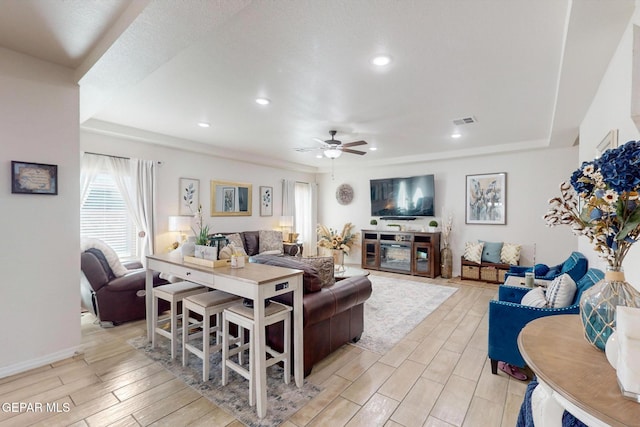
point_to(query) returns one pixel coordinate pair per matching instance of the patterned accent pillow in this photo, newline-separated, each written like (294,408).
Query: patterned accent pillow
(510,253)
(325,268)
(235,239)
(534,298)
(270,240)
(473,251)
(561,291)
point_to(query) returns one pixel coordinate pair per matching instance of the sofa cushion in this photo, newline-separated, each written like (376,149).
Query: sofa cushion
(534,298)
(561,291)
(269,241)
(325,268)
(473,251)
(510,253)
(311,278)
(235,239)
(251,245)
(491,251)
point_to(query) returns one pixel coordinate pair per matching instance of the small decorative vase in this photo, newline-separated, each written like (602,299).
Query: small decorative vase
(447,263)
(338,260)
(598,305)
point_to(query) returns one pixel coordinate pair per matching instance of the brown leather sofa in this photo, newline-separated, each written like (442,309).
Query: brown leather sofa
(333,315)
(114,300)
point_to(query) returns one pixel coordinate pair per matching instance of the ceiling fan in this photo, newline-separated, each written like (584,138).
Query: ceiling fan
(332,148)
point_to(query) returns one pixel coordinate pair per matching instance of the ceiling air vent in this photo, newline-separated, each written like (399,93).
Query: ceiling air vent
(464,121)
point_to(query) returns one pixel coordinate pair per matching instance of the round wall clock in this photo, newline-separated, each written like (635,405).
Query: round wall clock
(344,194)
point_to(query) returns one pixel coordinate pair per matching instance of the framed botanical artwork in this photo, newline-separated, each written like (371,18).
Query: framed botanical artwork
(266,201)
(34,178)
(609,141)
(229,199)
(486,199)
(189,196)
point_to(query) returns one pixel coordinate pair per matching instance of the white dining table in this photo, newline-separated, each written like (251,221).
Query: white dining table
(254,281)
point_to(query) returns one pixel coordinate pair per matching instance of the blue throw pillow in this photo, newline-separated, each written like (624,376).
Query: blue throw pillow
(491,252)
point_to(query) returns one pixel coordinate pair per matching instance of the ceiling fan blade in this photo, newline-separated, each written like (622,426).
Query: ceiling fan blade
(354,144)
(347,150)
(307,149)
(319,141)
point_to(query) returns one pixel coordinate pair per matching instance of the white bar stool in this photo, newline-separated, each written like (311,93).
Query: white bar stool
(243,317)
(173,293)
(207,304)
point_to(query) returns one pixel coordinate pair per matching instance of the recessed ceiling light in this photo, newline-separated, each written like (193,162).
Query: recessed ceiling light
(373,148)
(204,124)
(381,60)
(263,101)
(456,135)
(318,156)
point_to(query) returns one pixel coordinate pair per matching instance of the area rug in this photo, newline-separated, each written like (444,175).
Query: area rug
(283,400)
(395,307)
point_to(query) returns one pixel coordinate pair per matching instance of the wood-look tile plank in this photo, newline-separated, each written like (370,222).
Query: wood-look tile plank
(29,417)
(402,380)
(400,352)
(483,413)
(441,366)
(338,413)
(358,365)
(426,350)
(80,412)
(434,422)
(333,387)
(136,403)
(144,384)
(470,364)
(189,413)
(375,412)
(337,360)
(126,422)
(161,408)
(216,417)
(416,406)
(453,402)
(491,387)
(368,383)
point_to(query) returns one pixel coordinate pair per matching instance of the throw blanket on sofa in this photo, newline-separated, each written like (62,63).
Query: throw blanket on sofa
(112,258)
(525,417)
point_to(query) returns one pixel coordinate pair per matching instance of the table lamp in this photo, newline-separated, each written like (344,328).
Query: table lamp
(286,222)
(180,224)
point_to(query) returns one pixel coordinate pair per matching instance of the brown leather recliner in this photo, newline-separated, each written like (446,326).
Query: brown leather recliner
(332,315)
(114,300)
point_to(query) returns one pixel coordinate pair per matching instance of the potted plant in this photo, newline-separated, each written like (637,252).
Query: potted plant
(203,250)
(433,226)
(374,222)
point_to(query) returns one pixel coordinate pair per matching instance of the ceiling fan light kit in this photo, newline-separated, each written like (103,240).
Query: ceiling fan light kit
(332,153)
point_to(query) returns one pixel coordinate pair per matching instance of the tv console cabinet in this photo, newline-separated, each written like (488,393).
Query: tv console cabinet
(407,252)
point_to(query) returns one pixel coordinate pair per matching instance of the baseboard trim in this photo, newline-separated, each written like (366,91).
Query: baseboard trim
(40,361)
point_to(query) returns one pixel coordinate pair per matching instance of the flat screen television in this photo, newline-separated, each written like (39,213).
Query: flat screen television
(403,197)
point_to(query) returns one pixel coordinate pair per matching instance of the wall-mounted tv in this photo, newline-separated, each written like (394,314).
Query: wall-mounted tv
(403,197)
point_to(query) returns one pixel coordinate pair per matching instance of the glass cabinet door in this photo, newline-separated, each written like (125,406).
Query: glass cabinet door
(370,258)
(421,259)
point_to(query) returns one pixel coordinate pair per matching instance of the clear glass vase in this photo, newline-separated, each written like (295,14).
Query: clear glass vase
(338,260)
(598,305)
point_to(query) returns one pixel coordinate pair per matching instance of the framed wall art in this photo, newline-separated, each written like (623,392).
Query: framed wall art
(34,178)
(189,196)
(486,199)
(230,198)
(266,201)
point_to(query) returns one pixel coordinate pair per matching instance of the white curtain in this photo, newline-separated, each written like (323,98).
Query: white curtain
(306,216)
(135,180)
(288,198)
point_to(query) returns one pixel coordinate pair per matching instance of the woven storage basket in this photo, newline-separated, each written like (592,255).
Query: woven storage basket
(489,274)
(470,272)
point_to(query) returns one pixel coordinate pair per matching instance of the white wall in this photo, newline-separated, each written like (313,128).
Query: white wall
(533,177)
(611,109)
(39,257)
(176,164)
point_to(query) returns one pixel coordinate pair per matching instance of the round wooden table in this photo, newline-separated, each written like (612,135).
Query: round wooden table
(582,380)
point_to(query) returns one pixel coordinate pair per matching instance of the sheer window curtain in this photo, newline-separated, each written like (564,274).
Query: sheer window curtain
(135,179)
(306,217)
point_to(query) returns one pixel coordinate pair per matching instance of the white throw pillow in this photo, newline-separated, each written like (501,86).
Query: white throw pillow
(561,291)
(535,298)
(473,251)
(510,253)
(112,258)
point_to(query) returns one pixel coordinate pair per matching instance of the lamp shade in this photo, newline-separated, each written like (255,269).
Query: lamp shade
(286,221)
(179,223)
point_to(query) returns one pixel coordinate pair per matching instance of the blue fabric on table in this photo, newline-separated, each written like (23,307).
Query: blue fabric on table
(491,252)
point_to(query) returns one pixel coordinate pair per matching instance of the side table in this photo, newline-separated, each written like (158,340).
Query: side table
(349,272)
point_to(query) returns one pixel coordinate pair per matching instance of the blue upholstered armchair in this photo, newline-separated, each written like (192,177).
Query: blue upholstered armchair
(507,317)
(575,266)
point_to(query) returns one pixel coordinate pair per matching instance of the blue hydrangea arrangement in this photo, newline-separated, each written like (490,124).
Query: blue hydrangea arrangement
(602,203)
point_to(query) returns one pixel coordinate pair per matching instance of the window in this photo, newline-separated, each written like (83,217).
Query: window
(104,216)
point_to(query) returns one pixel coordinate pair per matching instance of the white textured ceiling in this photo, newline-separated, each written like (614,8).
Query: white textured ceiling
(526,70)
